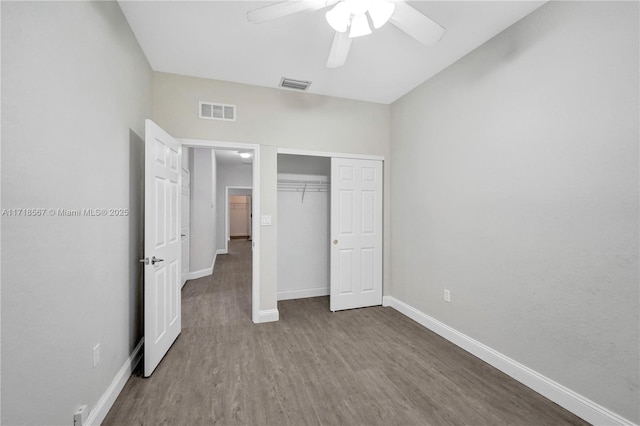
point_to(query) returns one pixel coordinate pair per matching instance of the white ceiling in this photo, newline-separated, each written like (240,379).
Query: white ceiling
(213,39)
(231,157)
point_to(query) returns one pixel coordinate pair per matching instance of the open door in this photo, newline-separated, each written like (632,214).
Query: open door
(162,244)
(356,231)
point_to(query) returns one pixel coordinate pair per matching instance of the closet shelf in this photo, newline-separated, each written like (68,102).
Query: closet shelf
(302,185)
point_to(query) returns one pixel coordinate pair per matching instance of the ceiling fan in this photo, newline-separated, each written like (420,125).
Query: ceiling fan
(350,18)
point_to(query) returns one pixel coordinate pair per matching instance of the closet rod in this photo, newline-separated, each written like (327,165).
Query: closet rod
(302,189)
(302,182)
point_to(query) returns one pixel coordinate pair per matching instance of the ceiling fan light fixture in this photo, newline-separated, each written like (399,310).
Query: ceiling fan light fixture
(338,17)
(380,12)
(359,26)
(357,7)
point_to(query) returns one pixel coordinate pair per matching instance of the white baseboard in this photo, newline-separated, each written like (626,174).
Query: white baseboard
(301,294)
(200,273)
(203,272)
(565,397)
(268,315)
(222,251)
(99,412)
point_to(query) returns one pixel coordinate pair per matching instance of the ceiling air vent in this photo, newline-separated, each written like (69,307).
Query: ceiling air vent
(290,83)
(211,111)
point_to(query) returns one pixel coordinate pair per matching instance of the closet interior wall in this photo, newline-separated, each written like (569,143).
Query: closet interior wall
(303,226)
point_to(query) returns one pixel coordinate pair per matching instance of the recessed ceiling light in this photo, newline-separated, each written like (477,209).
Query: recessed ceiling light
(245,154)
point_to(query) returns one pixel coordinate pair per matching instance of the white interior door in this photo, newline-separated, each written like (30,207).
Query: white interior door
(162,244)
(184,230)
(356,231)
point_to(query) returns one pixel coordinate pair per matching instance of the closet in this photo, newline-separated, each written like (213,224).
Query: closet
(303,226)
(330,229)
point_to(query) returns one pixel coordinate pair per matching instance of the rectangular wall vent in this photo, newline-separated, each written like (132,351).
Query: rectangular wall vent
(290,83)
(211,111)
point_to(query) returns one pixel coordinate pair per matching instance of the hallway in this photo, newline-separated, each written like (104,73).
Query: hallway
(369,366)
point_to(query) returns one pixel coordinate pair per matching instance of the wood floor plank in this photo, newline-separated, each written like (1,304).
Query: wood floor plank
(370,366)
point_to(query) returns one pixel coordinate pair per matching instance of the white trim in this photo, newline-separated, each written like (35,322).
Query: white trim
(302,294)
(202,143)
(204,272)
(99,412)
(222,251)
(565,397)
(255,237)
(227,221)
(329,154)
(268,315)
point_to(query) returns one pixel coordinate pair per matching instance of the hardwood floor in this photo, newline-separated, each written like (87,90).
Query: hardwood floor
(370,366)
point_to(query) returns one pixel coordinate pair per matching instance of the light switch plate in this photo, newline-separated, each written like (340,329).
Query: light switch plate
(265,220)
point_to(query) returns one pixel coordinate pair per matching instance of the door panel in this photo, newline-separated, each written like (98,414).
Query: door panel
(346,211)
(162,224)
(356,230)
(368,268)
(346,271)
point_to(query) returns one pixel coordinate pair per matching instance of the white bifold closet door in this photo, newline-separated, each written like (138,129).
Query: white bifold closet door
(356,232)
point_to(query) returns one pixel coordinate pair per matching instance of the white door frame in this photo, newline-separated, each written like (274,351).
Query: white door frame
(329,154)
(227,221)
(255,199)
(187,236)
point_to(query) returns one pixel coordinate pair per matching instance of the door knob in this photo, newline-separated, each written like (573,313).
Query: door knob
(154,260)
(335,242)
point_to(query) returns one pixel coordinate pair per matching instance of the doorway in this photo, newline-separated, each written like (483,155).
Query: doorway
(163,247)
(254,151)
(330,228)
(238,213)
(239,217)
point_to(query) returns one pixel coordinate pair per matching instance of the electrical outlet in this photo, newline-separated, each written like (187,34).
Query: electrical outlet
(96,355)
(80,416)
(447,296)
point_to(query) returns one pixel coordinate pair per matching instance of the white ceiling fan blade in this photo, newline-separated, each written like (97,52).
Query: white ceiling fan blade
(285,8)
(339,50)
(417,25)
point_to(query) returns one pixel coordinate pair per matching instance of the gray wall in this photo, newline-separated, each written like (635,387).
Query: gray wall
(515,185)
(202,245)
(304,165)
(274,118)
(76,89)
(229,175)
